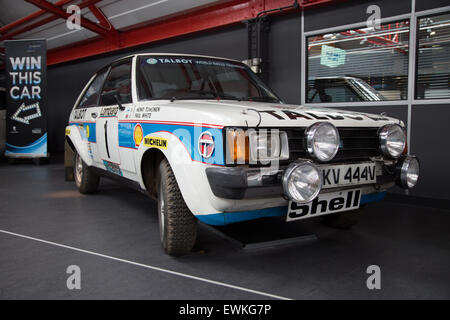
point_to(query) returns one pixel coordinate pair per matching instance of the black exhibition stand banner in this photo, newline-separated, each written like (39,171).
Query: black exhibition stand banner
(26,98)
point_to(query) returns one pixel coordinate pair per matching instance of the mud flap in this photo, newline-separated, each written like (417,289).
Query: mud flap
(68,162)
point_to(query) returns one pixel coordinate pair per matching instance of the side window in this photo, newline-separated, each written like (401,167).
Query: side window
(92,94)
(118,84)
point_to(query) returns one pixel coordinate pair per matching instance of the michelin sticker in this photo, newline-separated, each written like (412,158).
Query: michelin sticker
(156,142)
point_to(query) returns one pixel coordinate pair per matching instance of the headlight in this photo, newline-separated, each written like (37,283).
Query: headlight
(322,141)
(237,146)
(408,172)
(302,182)
(268,145)
(392,140)
(253,146)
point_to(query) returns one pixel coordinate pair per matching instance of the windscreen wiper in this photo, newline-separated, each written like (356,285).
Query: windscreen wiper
(262,99)
(205,93)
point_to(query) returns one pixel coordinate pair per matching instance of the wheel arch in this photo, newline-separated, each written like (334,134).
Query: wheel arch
(149,170)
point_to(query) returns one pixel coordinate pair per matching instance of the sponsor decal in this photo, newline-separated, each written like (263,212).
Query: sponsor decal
(174,60)
(112,167)
(67,131)
(109,111)
(294,115)
(90,153)
(36,131)
(79,114)
(324,204)
(138,135)
(152,109)
(206,144)
(152,61)
(219,64)
(156,142)
(87,131)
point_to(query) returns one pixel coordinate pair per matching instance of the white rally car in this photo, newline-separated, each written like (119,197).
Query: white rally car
(210,141)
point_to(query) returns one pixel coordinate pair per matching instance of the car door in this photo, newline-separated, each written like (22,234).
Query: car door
(86,112)
(115,97)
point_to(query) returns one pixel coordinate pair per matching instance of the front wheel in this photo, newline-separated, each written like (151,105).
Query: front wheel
(85,180)
(177,225)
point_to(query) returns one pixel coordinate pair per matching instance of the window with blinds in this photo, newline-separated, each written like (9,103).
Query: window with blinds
(433,57)
(363,64)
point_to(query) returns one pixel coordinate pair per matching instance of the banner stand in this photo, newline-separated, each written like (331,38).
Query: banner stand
(26,99)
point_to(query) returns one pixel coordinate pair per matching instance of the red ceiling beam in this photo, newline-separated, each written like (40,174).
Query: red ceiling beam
(42,22)
(101,17)
(205,18)
(222,14)
(30,17)
(85,23)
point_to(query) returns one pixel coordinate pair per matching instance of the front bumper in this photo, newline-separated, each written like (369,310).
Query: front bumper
(245,183)
(241,183)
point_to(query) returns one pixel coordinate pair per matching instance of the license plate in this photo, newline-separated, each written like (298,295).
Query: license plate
(348,174)
(325,203)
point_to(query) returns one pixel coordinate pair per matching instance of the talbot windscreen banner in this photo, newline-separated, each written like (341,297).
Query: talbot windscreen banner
(26,98)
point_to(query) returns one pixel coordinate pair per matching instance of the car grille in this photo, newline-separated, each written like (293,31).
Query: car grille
(356,144)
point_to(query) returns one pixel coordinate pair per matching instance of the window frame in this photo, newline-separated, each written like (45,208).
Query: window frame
(416,65)
(110,67)
(413,17)
(305,63)
(104,69)
(255,81)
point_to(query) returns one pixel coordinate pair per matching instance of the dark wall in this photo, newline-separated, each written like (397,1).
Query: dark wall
(430,140)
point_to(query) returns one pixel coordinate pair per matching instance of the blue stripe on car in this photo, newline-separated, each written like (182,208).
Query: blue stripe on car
(221,219)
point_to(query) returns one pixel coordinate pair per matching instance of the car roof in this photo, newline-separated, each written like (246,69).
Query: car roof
(174,55)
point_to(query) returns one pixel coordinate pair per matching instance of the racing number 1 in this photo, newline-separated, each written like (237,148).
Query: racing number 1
(106,138)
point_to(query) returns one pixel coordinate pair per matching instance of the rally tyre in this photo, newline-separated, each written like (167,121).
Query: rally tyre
(85,180)
(342,220)
(177,225)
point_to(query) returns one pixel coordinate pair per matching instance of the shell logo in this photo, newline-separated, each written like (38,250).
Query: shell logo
(138,135)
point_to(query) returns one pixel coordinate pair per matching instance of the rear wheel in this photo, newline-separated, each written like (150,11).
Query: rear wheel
(177,225)
(343,220)
(85,180)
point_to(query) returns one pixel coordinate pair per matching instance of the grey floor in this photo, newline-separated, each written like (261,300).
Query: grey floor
(411,245)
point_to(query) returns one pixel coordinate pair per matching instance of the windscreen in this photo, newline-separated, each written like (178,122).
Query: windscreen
(179,77)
